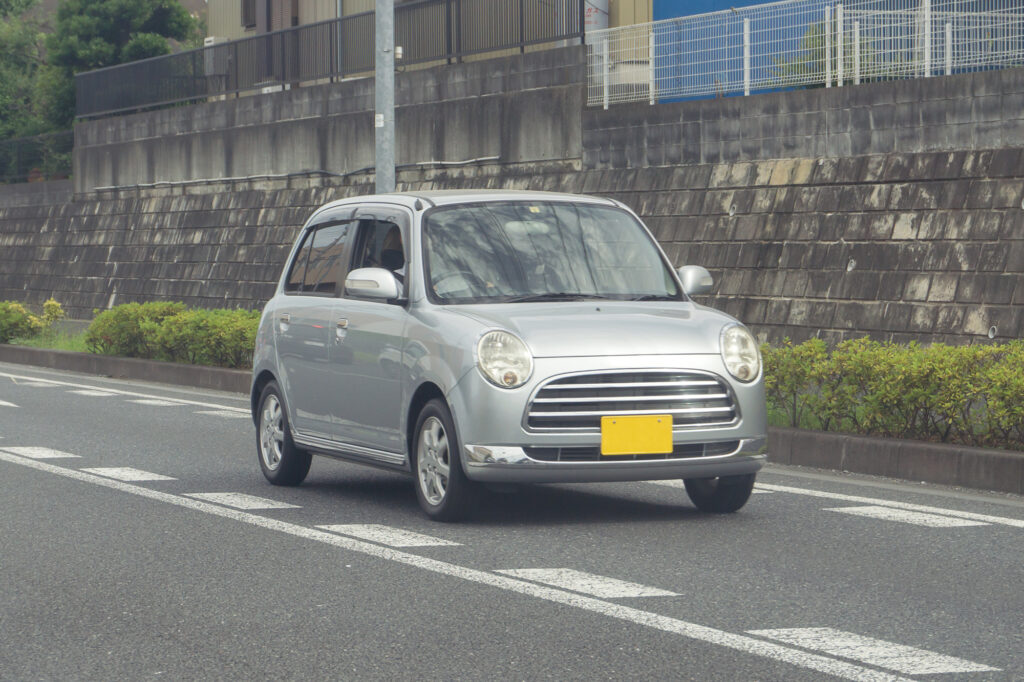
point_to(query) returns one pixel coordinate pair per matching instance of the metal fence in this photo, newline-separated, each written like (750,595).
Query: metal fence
(43,157)
(801,43)
(427,30)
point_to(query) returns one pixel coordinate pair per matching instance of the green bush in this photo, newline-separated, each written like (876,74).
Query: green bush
(971,395)
(128,330)
(224,338)
(172,332)
(16,321)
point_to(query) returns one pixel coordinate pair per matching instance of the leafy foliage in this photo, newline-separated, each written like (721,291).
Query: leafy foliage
(16,321)
(170,331)
(972,395)
(92,34)
(20,61)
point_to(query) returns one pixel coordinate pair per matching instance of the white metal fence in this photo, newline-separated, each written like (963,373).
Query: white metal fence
(801,43)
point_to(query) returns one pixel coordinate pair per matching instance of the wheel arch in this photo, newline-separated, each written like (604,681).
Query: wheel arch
(426,392)
(262,379)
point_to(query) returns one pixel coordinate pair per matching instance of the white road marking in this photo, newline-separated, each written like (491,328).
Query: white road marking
(128,474)
(737,642)
(587,583)
(1016,523)
(241,501)
(904,516)
(678,483)
(38,453)
(385,535)
(4,403)
(904,659)
(93,394)
(16,377)
(36,384)
(156,402)
(228,414)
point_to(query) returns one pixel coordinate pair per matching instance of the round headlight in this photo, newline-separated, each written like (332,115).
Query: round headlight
(740,353)
(504,359)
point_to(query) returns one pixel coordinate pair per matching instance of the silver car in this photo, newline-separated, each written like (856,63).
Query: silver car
(483,338)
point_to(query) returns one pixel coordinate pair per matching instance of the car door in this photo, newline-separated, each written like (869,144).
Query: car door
(303,323)
(368,345)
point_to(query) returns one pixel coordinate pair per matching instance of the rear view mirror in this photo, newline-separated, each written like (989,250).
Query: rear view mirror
(696,280)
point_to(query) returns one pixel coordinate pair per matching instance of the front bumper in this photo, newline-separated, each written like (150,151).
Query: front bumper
(504,464)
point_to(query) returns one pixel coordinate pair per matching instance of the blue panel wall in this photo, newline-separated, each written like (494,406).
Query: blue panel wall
(669,9)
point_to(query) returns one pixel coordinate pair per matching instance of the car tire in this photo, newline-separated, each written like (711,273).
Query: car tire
(443,491)
(722,495)
(280,460)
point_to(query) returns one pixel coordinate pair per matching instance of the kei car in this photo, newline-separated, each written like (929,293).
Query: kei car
(475,338)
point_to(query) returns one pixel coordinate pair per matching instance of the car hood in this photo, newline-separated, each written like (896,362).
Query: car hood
(594,328)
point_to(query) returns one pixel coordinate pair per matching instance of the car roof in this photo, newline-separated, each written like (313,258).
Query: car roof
(459,196)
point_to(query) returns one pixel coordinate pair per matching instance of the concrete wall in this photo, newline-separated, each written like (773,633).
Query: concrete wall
(519,109)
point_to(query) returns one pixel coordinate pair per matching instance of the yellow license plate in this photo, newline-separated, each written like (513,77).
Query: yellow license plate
(636,435)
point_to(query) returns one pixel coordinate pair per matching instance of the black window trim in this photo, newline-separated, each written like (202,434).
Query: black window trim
(382,213)
(321,220)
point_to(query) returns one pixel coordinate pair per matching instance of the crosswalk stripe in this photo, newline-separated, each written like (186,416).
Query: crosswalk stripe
(903,516)
(37,453)
(385,535)
(128,474)
(903,659)
(586,583)
(241,501)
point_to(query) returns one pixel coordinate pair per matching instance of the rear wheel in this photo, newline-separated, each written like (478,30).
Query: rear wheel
(281,461)
(721,495)
(443,490)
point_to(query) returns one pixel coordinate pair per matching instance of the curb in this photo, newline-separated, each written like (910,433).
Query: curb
(980,468)
(196,376)
(957,465)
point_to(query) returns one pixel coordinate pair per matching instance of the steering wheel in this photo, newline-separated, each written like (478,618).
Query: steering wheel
(471,281)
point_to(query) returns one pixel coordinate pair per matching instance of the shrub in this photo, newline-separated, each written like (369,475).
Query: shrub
(16,321)
(128,329)
(972,395)
(224,338)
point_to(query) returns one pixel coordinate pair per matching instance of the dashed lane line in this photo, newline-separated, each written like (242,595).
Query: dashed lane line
(701,633)
(128,474)
(904,516)
(903,659)
(135,394)
(242,501)
(971,516)
(386,535)
(157,402)
(587,583)
(93,393)
(37,452)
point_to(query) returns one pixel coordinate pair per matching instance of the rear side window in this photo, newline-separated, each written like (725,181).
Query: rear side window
(318,264)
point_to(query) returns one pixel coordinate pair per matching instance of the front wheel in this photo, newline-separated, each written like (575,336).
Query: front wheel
(443,490)
(281,461)
(721,495)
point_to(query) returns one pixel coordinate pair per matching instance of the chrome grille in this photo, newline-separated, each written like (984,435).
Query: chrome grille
(578,402)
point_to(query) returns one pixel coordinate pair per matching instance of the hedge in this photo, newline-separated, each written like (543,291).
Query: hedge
(172,332)
(970,395)
(17,322)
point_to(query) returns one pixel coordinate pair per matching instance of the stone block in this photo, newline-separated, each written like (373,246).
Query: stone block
(943,287)
(916,288)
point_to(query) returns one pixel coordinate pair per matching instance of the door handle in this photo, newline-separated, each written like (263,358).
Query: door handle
(341,330)
(285,317)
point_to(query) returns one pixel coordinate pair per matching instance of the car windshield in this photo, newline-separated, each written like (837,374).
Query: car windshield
(541,251)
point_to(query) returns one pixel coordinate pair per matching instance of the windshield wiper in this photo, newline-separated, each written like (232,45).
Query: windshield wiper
(549,296)
(654,297)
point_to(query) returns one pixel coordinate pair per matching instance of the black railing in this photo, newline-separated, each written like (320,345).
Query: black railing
(427,31)
(43,157)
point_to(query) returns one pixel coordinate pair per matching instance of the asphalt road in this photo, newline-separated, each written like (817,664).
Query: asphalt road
(108,572)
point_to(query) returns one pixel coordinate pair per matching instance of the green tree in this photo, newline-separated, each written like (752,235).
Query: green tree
(20,59)
(92,34)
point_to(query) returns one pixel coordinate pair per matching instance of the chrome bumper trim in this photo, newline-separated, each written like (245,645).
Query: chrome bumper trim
(510,464)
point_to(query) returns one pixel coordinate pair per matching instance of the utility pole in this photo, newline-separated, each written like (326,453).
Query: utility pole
(384,87)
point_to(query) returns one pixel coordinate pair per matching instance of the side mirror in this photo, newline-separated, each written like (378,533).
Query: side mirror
(696,280)
(376,283)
